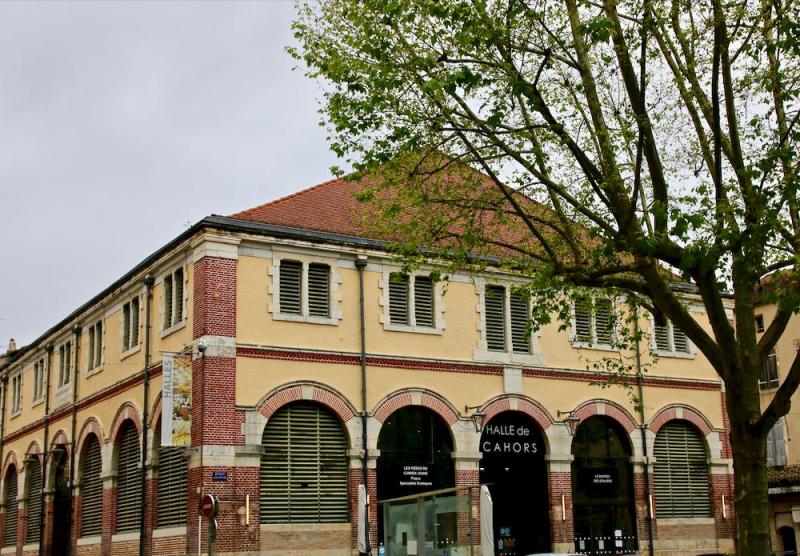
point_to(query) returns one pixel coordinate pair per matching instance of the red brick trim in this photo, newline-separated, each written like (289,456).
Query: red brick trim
(155,411)
(524,405)
(90,427)
(288,393)
(725,436)
(214,297)
(11,459)
(59,438)
(33,448)
(126,412)
(610,409)
(431,400)
(691,415)
(459,367)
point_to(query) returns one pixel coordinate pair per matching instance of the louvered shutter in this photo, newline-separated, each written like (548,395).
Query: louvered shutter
(661,334)
(179,295)
(776,445)
(319,290)
(304,467)
(34,473)
(172,478)
(603,321)
(679,340)
(91,490)
(681,472)
(519,323)
(168,301)
(495,305)
(398,298)
(423,301)
(583,320)
(290,276)
(129,480)
(12,509)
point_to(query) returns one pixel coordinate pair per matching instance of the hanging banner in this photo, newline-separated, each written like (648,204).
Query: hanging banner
(176,401)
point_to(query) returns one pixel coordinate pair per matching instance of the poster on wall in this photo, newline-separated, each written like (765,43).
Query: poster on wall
(176,401)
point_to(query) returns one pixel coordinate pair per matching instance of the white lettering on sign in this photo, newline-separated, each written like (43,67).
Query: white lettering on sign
(602,479)
(415,475)
(509,447)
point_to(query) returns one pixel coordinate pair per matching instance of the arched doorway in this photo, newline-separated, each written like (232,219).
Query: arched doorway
(788,540)
(513,465)
(62,518)
(416,456)
(602,488)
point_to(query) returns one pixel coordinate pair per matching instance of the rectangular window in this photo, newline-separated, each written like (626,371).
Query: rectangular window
(776,445)
(16,393)
(769,372)
(95,355)
(134,322)
(670,339)
(760,323)
(520,319)
(423,301)
(594,321)
(662,337)
(319,290)
(495,304)
(130,324)
(38,380)
(398,298)
(583,320)
(64,363)
(291,273)
(168,301)
(173,299)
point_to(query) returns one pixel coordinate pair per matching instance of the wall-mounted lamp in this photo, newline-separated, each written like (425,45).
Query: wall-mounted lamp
(571,420)
(477,416)
(57,454)
(29,461)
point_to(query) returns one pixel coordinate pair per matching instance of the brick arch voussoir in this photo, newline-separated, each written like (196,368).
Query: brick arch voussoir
(60,438)
(309,391)
(525,405)
(126,412)
(91,427)
(680,412)
(608,409)
(155,411)
(427,398)
(34,449)
(11,461)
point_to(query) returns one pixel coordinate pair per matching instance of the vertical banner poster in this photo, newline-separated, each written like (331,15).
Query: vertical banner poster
(176,401)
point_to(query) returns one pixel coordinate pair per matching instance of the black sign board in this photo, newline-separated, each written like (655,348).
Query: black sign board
(511,434)
(600,481)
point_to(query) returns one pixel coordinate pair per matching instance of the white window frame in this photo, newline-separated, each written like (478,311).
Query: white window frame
(174,325)
(38,371)
(130,348)
(594,343)
(16,394)
(671,338)
(66,356)
(95,347)
(385,319)
(482,352)
(334,292)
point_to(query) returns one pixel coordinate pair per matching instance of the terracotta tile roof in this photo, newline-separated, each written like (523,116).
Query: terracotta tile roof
(330,207)
(783,476)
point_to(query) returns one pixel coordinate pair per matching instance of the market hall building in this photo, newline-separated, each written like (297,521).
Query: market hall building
(281,341)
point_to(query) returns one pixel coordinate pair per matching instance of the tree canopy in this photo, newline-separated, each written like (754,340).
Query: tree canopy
(656,139)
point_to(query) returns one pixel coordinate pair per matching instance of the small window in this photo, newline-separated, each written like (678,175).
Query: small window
(760,323)
(681,472)
(520,318)
(91,499)
(172,487)
(12,508)
(290,287)
(667,338)
(38,380)
(64,363)
(129,479)
(495,304)
(95,355)
(33,470)
(319,278)
(769,372)
(507,315)
(173,299)
(402,288)
(16,393)
(594,321)
(130,324)
(776,444)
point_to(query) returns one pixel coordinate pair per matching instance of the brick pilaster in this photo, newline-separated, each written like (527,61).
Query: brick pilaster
(561,523)
(77,519)
(47,533)
(722,485)
(641,509)
(22,526)
(355,479)
(470,479)
(109,518)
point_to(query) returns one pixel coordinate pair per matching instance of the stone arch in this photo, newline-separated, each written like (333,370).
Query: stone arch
(155,411)
(416,396)
(613,411)
(91,427)
(11,461)
(34,449)
(519,403)
(126,412)
(684,412)
(60,438)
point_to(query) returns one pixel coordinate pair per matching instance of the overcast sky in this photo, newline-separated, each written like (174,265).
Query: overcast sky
(122,122)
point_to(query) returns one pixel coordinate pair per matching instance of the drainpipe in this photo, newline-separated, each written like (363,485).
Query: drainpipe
(4,379)
(640,384)
(45,451)
(361,264)
(148,283)
(73,441)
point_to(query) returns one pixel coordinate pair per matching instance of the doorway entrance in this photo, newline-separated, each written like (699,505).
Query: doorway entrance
(61,506)
(602,488)
(513,466)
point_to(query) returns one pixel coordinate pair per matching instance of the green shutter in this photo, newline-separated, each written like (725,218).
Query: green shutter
(12,509)
(129,480)
(91,490)
(34,473)
(681,472)
(304,467)
(495,303)
(172,477)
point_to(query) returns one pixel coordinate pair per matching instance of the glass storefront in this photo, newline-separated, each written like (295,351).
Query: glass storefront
(513,466)
(602,488)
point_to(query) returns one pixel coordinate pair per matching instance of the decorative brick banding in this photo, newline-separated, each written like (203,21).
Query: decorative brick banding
(591,408)
(402,399)
(689,414)
(499,405)
(214,297)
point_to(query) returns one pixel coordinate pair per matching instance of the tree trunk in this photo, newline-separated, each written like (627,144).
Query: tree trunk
(751,496)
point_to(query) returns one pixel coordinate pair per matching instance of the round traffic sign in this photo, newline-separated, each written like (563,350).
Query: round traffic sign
(208,506)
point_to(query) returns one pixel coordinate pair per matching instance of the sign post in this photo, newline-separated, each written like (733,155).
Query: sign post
(209,506)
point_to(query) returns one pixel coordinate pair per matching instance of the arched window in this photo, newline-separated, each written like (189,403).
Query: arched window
(10,529)
(681,472)
(33,470)
(172,477)
(129,479)
(91,489)
(304,466)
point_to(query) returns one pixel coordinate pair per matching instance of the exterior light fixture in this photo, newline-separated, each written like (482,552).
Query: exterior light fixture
(29,461)
(571,420)
(477,416)
(57,454)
